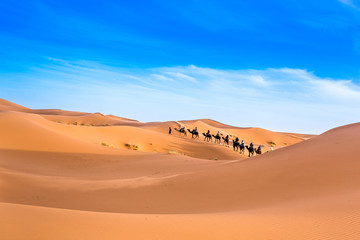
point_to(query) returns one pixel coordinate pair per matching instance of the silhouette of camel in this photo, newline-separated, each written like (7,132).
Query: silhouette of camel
(207,137)
(181,130)
(193,132)
(226,140)
(217,138)
(242,148)
(237,145)
(251,150)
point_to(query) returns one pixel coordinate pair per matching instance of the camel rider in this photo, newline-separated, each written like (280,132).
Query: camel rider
(237,139)
(195,130)
(218,134)
(208,132)
(182,128)
(242,143)
(259,148)
(227,137)
(251,145)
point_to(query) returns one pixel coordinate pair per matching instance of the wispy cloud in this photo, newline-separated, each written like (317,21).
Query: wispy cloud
(162,77)
(350,3)
(181,76)
(281,99)
(347,2)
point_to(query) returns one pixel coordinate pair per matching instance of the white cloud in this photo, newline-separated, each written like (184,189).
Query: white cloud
(337,89)
(162,77)
(259,80)
(181,76)
(282,99)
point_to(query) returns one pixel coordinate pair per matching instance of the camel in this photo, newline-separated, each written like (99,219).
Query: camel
(251,150)
(193,133)
(181,130)
(237,145)
(257,151)
(217,138)
(207,137)
(226,140)
(242,148)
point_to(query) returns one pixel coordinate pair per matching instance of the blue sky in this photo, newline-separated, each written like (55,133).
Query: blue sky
(281,65)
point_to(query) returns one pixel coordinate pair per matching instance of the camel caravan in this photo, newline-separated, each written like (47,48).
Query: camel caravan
(237,145)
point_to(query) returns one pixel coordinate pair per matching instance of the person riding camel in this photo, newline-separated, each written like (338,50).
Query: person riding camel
(182,129)
(236,139)
(195,130)
(259,148)
(218,134)
(242,143)
(208,132)
(251,145)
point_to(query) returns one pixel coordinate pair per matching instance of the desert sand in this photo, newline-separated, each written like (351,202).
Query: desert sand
(77,175)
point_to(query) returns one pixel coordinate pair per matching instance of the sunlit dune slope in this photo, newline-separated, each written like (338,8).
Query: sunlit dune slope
(273,224)
(131,180)
(288,175)
(10,106)
(24,131)
(117,132)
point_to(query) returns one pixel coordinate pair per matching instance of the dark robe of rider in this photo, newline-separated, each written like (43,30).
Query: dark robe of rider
(242,143)
(169,130)
(208,132)
(236,139)
(218,134)
(251,145)
(195,130)
(259,148)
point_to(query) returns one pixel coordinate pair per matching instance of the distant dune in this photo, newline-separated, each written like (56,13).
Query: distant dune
(74,175)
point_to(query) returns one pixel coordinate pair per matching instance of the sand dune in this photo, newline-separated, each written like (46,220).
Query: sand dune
(50,223)
(66,130)
(224,186)
(10,106)
(66,181)
(24,131)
